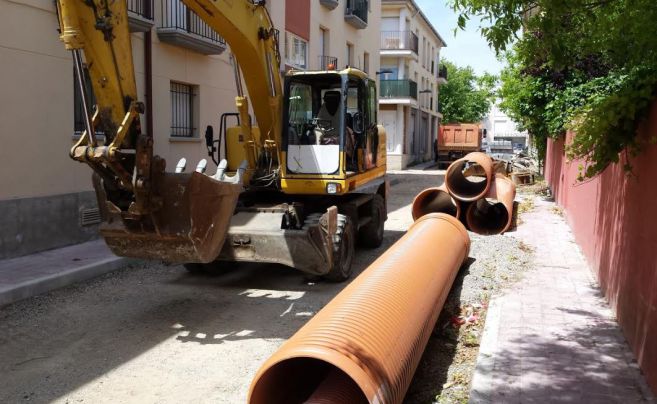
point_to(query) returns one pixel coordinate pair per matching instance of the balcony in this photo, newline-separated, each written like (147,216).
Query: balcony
(182,27)
(399,43)
(327,63)
(442,74)
(356,13)
(398,92)
(330,4)
(140,15)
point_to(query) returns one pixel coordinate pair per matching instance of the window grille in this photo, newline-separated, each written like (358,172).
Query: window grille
(182,110)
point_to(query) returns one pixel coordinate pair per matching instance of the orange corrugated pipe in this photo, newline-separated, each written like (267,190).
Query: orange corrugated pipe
(461,186)
(435,200)
(493,214)
(365,345)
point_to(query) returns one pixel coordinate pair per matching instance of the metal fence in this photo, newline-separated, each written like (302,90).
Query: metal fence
(328,62)
(182,110)
(399,40)
(143,8)
(398,88)
(176,15)
(358,8)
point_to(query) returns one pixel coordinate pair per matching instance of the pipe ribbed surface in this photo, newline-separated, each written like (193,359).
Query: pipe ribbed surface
(435,200)
(493,214)
(375,330)
(466,187)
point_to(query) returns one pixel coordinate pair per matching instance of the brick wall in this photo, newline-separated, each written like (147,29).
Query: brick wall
(614,219)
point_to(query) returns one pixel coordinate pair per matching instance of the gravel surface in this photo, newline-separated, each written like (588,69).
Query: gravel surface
(448,363)
(153,333)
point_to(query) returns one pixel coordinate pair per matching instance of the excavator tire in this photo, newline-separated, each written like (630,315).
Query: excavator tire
(371,235)
(343,251)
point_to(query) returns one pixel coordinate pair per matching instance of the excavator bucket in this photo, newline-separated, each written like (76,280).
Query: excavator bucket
(190,226)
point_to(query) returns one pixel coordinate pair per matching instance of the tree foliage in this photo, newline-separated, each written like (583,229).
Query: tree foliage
(585,65)
(466,97)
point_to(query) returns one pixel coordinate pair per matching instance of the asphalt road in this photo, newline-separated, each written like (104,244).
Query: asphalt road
(154,333)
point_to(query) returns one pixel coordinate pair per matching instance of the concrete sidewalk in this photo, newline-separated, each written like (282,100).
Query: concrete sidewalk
(34,274)
(552,337)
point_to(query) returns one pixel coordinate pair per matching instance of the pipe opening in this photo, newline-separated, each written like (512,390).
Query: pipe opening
(463,181)
(487,217)
(306,381)
(434,200)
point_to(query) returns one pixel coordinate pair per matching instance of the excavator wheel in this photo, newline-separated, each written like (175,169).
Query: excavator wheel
(371,235)
(343,251)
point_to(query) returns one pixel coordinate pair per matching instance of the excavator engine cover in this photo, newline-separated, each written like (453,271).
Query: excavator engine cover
(190,226)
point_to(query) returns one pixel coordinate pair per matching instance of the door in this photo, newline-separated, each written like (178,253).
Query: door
(424,137)
(389,122)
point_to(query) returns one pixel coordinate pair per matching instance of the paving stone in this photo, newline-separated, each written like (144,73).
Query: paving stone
(552,337)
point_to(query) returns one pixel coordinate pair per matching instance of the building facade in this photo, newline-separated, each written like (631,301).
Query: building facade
(409,83)
(501,128)
(184,75)
(331,34)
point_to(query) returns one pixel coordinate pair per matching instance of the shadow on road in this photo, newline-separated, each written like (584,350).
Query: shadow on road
(54,344)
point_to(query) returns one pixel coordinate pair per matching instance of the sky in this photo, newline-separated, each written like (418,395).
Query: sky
(467,48)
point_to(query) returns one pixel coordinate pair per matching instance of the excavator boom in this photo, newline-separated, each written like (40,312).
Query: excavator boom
(147,212)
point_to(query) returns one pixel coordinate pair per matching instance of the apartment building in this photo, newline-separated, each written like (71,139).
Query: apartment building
(500,127)
(409,83)
(323,34)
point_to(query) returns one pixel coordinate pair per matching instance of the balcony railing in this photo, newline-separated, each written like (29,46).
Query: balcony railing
(328,62)
(356,13)
(182,27)
(442,72)
(398,89)
(399,40)
(140,15)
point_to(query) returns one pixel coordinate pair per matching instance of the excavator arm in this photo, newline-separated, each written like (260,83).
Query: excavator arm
(147,212)
(249,31)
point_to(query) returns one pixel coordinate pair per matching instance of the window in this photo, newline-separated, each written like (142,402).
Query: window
(324,41)
(366,62)
(78,108)
(350,54)
(372,104)
(182,110)
(297,51)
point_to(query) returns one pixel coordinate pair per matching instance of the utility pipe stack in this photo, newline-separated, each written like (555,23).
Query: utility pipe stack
(481,199)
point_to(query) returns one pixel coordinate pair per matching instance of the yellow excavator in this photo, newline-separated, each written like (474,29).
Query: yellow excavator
(300,188)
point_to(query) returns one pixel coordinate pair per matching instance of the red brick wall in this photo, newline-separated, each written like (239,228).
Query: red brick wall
(297,17)
(614,219)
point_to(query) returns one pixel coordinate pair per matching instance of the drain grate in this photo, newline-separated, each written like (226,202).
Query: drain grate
(89,217)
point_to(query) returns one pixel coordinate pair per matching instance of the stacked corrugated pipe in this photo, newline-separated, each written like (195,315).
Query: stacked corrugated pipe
(365,345)
(472,192)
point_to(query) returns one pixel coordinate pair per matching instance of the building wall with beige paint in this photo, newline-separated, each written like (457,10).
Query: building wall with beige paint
(339,34)
(411,120)
(42,191)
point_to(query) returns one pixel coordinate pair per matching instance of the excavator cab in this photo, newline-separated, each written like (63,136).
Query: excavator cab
(330,132)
